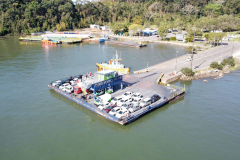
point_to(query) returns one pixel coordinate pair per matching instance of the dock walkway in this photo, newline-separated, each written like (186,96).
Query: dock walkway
(124,43)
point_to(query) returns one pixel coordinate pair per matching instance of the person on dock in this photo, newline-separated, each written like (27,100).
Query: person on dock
(121,86)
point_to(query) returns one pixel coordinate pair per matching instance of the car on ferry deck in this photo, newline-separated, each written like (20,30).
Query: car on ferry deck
(136,101)
(103,106)
(120,113)
(109,108)
(64,85)
(127,94)
(115,100)
(125,106)
(134,109)
(114,111)
(136,95)
(123,100)
(57,83)
(155,98)
(68,89)
(145,102)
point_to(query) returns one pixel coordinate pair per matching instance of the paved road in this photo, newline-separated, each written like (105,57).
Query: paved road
(200,61)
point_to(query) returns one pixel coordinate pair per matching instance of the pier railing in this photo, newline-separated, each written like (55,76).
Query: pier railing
(85,104)
(137,114)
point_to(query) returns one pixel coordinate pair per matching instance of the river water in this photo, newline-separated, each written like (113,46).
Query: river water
(37,123)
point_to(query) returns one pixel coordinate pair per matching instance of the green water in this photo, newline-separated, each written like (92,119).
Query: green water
(37,123)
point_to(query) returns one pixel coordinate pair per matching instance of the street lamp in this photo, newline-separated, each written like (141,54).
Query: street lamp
(193,45)
(176,63)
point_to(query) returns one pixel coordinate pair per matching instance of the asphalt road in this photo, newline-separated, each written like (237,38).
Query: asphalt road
(200,61)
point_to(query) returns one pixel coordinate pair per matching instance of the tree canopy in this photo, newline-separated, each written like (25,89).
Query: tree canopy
(18,16)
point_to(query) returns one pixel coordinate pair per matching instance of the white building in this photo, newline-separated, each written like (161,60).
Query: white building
(94,26)
(104,28)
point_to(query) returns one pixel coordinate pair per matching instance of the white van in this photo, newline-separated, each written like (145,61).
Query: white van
(102,99)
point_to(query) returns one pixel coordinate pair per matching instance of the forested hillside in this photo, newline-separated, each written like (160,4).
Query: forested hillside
(25,16)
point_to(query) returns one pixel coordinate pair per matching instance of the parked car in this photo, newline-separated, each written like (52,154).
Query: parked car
(57,83)
(109,108)
(128,94)
(114,111)
(189,59)
(133,109)
(120,113)
(125,106)
(68,89)
(145,102)
(103,99)
(64,85)
(115,100)
(136,101)
(155,98)
(103,106)
(100,92)
(136,95)
(122,101)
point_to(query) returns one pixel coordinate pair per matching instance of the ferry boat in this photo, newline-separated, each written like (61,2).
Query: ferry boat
(114,64)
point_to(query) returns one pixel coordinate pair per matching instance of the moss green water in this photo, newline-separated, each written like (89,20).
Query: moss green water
(37,123)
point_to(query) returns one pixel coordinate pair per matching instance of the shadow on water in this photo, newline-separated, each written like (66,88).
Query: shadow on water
(93,117)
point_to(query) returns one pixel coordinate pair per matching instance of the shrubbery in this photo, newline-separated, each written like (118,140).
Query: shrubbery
(216,65)
(187,72)
(173,39)
(189,39)
(229,61)
(189,49)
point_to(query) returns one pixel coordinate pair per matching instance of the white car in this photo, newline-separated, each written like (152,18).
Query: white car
(115,100)
(114,111)
(102,106)
(189,59)
(145,102)
(64,85)
(104,103)
(74,81)
(57,83)
(136,95)
(122,101)
(120,113)
(136,101)
(68,89)
(128,94)
(125,106)
(134,108)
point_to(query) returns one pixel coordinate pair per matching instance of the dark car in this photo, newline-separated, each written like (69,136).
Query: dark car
(155,98)
(67,80)
(109,108)
(79,76)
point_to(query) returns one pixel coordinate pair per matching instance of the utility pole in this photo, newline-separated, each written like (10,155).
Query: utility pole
(176,63)
(193,46)
(232,50)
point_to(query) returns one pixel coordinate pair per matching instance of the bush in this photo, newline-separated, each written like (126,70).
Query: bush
(216,65)
(173,39)
(189,39)
(229,61)
(189,49)
(187,72)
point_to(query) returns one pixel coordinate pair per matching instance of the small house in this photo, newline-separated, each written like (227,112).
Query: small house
(94,26)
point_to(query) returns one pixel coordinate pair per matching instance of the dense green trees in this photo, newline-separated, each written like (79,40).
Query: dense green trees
(18,16)
(27,16)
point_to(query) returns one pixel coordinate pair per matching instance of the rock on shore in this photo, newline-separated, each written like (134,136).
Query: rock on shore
(206,74)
